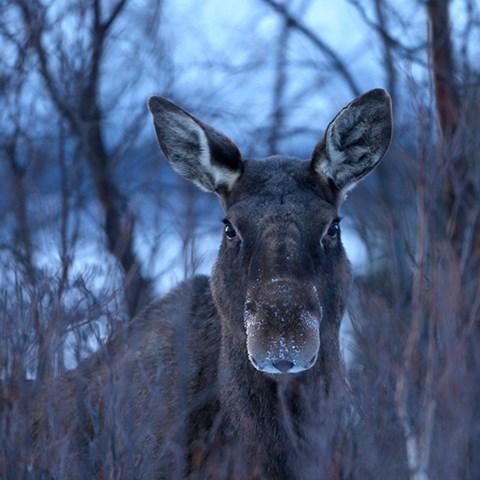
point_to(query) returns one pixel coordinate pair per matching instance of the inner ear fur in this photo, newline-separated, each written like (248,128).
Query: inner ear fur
(195,150)
(356,140)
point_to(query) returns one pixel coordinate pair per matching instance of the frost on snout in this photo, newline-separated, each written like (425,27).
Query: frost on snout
(282,337)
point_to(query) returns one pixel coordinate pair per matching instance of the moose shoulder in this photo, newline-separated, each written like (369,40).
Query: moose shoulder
(223,377)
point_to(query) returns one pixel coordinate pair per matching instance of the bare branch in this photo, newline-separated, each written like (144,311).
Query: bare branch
(387,51)
(448,103)
(99,33)
(34,18)
(279,88)
(115,13)
(411,53)
(335,60)
(23,250)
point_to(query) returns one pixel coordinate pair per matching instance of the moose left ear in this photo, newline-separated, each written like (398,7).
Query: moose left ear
(356,140)
(195,150)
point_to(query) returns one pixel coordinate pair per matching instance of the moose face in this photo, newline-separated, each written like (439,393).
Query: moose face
(282,269)
(281,277)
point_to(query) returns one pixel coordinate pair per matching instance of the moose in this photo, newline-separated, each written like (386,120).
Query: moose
(224,376)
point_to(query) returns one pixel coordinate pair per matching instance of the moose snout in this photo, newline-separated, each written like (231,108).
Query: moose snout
(282,342)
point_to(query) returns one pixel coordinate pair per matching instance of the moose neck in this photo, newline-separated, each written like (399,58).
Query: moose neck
(271,418)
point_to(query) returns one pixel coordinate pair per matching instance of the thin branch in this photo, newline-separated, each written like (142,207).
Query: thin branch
(115,12)
(99,34)
(336,61)
(408,52)
(34,19)
(279,88)
(387,51)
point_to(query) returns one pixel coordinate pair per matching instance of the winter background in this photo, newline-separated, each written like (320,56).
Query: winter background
(94,223)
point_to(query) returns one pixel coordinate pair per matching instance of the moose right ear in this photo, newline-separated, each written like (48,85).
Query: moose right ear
(356,140)
(195,150)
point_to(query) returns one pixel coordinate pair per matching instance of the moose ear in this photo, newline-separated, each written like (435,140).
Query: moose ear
(356,140)
(195,150)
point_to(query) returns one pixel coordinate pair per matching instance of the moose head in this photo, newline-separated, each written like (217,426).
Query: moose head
(281,277)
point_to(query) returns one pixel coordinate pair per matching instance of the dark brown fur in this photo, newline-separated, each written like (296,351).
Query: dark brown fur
(198,385)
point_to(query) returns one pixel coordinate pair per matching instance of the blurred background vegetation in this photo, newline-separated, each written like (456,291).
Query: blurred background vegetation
(93,223)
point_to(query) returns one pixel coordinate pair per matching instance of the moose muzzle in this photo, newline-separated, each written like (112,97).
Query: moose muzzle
(283,336)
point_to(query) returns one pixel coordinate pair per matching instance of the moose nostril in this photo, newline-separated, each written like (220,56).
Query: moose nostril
(249,306)
(283,365)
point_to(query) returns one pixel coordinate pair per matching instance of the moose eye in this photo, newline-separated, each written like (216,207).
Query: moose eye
(331,236)
(229,231)
(333,230)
